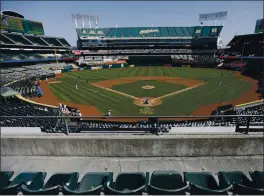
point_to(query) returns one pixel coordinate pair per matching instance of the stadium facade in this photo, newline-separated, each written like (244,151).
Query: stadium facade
(181,44)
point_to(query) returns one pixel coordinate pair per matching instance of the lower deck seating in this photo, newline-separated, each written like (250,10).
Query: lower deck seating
(253,110)
(137,183)
(16,107)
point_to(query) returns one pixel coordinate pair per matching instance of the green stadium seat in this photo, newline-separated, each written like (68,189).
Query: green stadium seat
(258,178)
(53,185)
(5,178)
(30,178)
(127,184)
(204,183)
(241,184)
(167,183)
(92,183)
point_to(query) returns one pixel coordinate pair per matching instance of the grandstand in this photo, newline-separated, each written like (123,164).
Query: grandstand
(50,146)
(23,42)
(191,45)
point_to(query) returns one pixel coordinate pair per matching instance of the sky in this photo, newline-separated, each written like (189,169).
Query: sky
(57,20)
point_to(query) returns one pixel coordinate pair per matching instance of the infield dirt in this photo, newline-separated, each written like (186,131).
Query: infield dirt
(86,110)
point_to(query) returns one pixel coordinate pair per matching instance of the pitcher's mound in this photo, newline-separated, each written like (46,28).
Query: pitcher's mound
(148,87)
(151,102)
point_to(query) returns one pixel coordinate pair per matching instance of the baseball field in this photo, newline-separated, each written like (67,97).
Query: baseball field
(169,91)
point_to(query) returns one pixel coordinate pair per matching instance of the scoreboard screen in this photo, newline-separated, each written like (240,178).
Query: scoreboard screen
(12,24)
(32,27)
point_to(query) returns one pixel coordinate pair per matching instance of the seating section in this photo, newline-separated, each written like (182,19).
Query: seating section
(29,40)
(37,41)
(26,88)
(16,107)
(245,45)
(18,39)
(253,110)
(52,41)
(138,183)
(22,56)
(134,32)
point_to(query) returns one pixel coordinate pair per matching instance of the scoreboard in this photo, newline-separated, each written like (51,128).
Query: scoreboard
(14,24)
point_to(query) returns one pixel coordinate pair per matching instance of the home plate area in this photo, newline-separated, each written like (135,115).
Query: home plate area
(147,101)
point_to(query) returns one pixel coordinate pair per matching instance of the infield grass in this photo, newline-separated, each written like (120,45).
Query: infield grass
(160,88)
(182,104)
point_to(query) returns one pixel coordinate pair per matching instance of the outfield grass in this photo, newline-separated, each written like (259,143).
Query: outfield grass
(135,88)
(181,104)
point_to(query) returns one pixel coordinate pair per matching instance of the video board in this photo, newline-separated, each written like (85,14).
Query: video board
(12,24)
(20,25)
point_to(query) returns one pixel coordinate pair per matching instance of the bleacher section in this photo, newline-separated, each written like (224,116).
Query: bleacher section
(170,182)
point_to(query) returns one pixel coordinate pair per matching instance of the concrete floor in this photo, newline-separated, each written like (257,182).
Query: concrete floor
(85,164)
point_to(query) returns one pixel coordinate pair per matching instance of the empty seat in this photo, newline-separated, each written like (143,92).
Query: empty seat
(53,185)
(167,183)
(29,178)
(204,183)
(5,178)
(127,184)
(92,183)
(258,178)
(241,184)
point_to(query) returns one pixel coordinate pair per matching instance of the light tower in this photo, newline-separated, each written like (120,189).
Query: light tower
(217,16)
(81,20)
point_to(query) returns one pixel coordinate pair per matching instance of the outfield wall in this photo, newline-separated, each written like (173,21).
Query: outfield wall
(188,145)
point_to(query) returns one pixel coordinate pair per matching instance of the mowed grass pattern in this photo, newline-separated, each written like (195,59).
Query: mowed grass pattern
(135,88)
(182,104)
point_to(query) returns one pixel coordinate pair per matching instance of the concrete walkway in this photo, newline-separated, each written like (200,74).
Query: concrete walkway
(84,164)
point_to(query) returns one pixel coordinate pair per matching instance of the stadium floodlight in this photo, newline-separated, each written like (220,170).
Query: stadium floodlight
(213,16)
(84,19)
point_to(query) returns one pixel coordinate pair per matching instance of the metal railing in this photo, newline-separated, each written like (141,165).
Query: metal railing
(234,120)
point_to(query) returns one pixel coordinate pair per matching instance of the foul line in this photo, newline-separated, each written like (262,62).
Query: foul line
(108,89)
(114,91)
(180,91)
(133,97)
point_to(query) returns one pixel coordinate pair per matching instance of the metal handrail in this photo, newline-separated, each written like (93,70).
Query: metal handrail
(108,117)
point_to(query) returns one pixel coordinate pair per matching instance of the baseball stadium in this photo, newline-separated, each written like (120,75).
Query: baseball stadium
(131,101)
